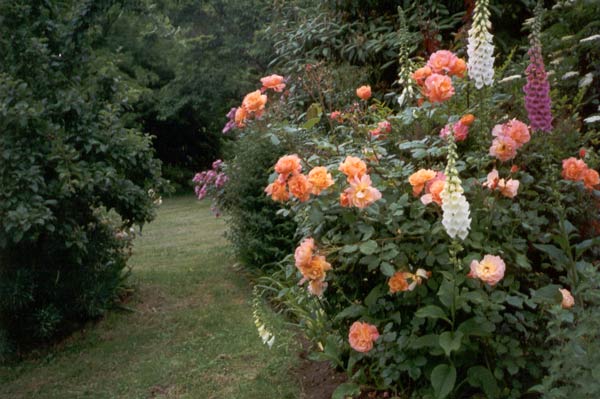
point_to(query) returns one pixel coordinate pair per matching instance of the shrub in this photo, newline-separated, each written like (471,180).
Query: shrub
(73,178)
(453,235)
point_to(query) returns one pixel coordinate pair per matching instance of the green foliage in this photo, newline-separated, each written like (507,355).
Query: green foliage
(68,164)
(259,234)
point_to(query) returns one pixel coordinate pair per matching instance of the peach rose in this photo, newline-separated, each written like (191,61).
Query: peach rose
(518,131)
(319,179)
(300,187)
(364,92)
(304,253)
(459,68)
(240,117)
(467,119)
(278,191)
(418,179)
(492,180)
(398,282)
(362,335)
(567,299)
(434,190)
(509,188)
(316,269)
(460,130)
(274,82)
(442,61)
(504,148)
(255,102)
(421,74)
(361,193)
(490,270)
(353,167)
(288,164)
(573,169)
(336,116)
(438,88)
(590,178)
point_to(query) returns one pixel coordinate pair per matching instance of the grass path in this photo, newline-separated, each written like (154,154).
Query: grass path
(191,335)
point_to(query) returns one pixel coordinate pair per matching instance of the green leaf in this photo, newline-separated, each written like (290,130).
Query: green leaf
(346,390)
(375,294)
(311,123)
(585,245)
(450,341)
(314,111)
(432,312)
(351,312)
(443,378)
(368,247)
(555,253)
(477,327)
(481,377)
(429,340)
(548,294)
(387,269)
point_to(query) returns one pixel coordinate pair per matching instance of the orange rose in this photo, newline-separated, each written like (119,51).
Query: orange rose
(364,92)
(288,164)
(320,179)
(573,169)
(300,187)
(435,190)
(316,269)
(421,74)
(418,179)
(467,119)
(362,335)
(590,178)
(459,68)
(274,82)
(518,131)
(353,167)
(344,200)
(254,102)
(438,88)
(398,282)
(277,191)
(240,117)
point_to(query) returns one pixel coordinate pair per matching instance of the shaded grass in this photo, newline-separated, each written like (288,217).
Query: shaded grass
(191,334)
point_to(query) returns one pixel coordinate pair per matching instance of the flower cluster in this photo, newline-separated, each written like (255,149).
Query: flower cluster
(537,88)
(406,281)
(361,193)
(254,103)
(460,128)
(480,48)
(383,128)
(509,137)
(312,266)
(508,188)
(455,207)
(210,182)
(490,270)
(362,335)
(577,170)
(434,78)
(300,186)
(430,182)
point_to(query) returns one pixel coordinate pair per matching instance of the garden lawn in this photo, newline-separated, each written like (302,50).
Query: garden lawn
(191,333)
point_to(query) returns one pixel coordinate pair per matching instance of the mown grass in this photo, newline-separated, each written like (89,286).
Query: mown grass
(191,333)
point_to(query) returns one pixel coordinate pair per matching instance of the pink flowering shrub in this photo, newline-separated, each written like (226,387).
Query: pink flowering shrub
(210,183)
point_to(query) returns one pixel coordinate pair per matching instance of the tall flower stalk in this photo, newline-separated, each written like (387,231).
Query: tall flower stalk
(455,207)
(537,88)
(480,48)
(407,65)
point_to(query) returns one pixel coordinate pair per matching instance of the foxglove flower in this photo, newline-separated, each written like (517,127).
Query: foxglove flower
(455,207)
(480,48)
(537,88)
